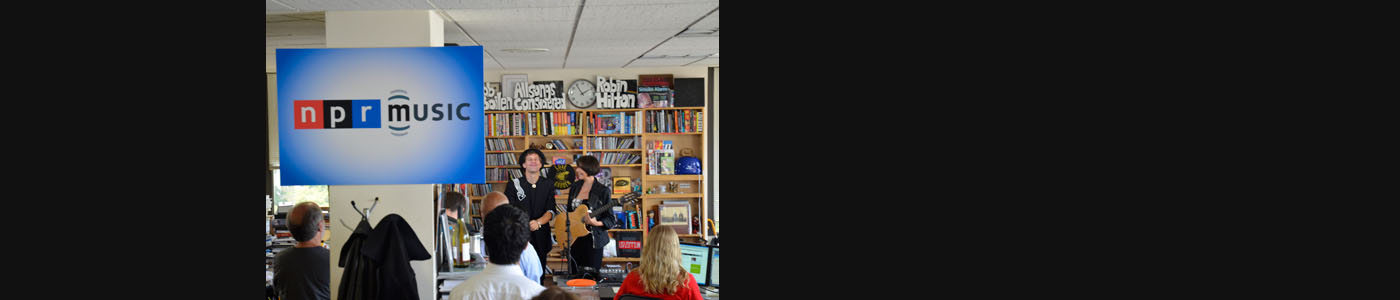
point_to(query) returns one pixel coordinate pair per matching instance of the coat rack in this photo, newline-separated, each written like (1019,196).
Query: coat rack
(364,215)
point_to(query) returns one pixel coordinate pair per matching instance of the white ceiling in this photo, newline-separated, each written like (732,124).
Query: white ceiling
(605,33)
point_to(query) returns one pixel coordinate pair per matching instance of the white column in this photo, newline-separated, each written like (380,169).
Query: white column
(381,29)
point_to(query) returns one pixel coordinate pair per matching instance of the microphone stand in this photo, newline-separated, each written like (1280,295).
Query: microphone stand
(568,240)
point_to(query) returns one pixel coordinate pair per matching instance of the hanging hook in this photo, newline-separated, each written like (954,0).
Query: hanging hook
(357,210)
(342,223)
(371,207)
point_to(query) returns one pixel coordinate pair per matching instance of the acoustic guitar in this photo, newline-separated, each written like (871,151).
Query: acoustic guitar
(582,211)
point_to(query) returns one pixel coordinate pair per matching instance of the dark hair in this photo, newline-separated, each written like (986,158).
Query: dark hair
(304,228)
(454,201)
(589,164)
(506,233)
(537,152)
(555,293)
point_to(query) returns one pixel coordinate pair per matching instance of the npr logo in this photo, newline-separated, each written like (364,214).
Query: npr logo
(335,114)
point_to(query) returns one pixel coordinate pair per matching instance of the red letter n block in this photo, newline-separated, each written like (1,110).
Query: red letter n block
(307,114)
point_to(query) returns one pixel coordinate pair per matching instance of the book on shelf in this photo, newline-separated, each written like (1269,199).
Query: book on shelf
(560,160)
(621,185)
(607,124)
(619,215)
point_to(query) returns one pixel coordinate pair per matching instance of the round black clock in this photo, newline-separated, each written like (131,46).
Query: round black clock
(581,93)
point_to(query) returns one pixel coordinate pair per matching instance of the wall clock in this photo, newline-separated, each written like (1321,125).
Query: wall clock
(581,93)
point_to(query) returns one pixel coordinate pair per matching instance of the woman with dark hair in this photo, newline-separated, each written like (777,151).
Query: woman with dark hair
(587,250)
(534,194)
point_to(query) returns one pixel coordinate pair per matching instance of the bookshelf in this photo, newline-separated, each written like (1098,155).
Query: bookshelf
(662,126)
(579,138)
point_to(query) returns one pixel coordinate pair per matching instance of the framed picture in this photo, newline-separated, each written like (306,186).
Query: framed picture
(676,216)
(508,82)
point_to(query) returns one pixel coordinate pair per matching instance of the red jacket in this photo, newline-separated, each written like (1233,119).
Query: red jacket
(687,290)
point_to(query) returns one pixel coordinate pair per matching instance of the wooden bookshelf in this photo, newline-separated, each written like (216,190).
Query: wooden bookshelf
(638,172)
(672,177)
(695,194)
(672,196)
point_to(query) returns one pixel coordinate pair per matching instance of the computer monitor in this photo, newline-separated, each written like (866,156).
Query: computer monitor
(714,267)
(695,258)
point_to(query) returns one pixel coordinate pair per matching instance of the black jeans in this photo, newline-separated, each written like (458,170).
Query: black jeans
(586,256)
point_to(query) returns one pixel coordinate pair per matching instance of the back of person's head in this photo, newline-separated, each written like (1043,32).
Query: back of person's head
(491,201)
(661,261)
(454,201)
(304,221)
(555,293)
(589,164)
(506,232)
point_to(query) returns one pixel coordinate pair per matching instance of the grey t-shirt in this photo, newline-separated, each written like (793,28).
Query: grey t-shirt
(302,273)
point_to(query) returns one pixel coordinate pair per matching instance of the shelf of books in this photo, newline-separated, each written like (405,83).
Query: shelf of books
(672,197)
(639,146)
(613,136)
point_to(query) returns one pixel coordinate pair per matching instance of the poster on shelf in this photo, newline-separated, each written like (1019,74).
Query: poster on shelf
(375,116)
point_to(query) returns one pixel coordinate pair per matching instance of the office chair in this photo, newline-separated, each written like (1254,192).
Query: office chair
(635,297)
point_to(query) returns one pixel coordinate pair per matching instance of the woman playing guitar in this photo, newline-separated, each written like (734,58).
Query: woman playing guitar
(587,250)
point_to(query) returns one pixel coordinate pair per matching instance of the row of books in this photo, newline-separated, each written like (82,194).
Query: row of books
(627,219)
(537,123)
(616,158)
(502,174)
(479,190)
(500,144)
(501,159)
(615,123)
(675,121)
(611,143)
(661,158)
(476,207)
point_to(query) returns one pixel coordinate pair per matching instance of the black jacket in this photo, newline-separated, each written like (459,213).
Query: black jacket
(598,196)
(537,201)
(361,277)
(386,251)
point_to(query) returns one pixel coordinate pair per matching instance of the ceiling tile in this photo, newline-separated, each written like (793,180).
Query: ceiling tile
(662,62)
(327,5)
(687,46)
(273,6)
(713,61)
(497,4)
(707,23)
(646,2)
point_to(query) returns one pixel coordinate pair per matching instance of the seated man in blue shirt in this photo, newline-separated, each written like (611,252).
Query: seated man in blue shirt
(529,260)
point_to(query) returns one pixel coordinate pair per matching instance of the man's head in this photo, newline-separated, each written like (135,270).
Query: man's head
(506,234)
(531,159)
(492,200)
(453,203)
(304,221)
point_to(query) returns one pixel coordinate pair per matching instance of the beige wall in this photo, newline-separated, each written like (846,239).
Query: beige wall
(272,118)
(714,132)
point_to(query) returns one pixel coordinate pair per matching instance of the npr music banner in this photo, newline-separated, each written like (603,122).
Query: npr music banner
(354,116)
